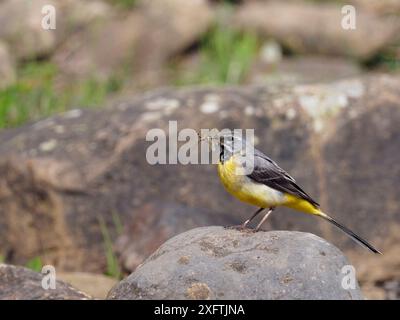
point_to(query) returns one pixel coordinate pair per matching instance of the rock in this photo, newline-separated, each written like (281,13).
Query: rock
(7,67)
(62,174)
(297,25)
(18,283)
(143,40)
(96,285)
(21,24)
(216,263)
(156,222)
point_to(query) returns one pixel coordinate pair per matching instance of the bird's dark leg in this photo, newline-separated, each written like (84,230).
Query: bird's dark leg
(252,217)
(264,218)
(244,224)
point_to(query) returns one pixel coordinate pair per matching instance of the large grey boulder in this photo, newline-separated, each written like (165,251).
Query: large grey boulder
(62,174)
(217,263)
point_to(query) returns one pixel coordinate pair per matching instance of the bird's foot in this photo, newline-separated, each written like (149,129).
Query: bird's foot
(240,227)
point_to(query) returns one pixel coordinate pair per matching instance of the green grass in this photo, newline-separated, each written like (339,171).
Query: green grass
(35,264)
(36,94)
(230,2)
(387,60)
(113,268)
(117,222)
(124,4)
(226,56)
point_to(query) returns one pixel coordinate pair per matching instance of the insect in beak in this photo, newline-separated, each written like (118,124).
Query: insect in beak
(200,137)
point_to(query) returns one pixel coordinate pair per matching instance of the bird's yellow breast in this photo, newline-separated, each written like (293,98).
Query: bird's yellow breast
(239,185)
(245,189)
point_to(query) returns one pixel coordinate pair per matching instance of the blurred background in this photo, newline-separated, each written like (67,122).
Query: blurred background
(76,101)
(105,48)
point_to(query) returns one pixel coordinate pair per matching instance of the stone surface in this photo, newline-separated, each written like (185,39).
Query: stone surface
(216,263)
(18,283)
(63,173)
(316,28)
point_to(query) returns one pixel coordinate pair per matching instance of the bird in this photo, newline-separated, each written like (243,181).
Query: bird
(266,185)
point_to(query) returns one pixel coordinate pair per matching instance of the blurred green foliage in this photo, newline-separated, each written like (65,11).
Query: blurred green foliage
(124,4)
(112,269)
(225,57)
(229,2)
(35,264)
(387,60)
(117,222)
(36,94)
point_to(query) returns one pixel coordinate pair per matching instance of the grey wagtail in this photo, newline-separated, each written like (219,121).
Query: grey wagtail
(267,186)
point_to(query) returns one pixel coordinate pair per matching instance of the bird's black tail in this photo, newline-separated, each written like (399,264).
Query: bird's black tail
(350,233)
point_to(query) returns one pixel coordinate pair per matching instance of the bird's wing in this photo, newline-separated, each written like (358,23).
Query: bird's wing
(267,172)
